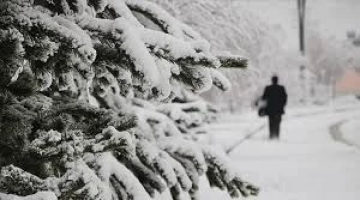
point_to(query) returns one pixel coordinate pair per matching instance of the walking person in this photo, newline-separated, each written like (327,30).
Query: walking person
(275,97)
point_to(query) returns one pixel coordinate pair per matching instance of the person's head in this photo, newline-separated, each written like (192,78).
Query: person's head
(274,80)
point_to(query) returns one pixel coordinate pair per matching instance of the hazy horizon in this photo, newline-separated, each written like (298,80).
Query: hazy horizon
(331,17)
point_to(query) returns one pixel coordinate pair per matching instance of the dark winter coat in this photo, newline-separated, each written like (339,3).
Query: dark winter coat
(276,98)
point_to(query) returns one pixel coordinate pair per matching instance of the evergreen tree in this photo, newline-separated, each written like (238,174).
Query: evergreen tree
(98,102)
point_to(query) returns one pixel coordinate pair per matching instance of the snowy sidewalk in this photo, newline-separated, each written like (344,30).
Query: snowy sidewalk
(307,163)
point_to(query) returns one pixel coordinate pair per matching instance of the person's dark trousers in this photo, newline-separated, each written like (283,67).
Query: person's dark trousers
(274,126)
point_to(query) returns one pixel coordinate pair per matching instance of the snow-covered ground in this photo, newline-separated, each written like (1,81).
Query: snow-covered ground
(313,160)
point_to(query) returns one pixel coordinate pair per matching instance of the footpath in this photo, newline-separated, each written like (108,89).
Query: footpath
(313,160)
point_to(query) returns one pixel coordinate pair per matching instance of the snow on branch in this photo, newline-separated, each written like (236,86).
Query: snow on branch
(221,175)
(232,61)
(167,22)
(95,104)
(37,196)
(219,80)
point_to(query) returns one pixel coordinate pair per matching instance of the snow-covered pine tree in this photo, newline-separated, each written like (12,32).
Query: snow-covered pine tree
(97,102)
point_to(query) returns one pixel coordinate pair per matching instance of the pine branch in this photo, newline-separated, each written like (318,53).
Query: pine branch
(232,62)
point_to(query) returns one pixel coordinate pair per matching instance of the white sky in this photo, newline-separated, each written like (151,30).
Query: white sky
(332,17)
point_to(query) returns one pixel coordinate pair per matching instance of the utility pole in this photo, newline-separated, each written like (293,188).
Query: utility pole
(302,69)
(301,12)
